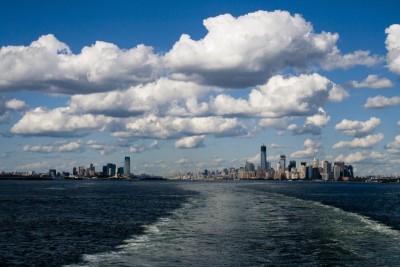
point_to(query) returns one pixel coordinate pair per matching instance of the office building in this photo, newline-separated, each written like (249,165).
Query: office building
(282,161)
(127,167)
(292,164)
(264,157)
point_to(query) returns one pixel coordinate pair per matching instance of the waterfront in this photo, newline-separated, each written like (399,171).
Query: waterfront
(202,223)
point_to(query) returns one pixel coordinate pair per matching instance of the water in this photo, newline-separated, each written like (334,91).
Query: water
(233,223)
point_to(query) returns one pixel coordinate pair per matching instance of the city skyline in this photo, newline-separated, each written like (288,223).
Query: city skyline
(197,85)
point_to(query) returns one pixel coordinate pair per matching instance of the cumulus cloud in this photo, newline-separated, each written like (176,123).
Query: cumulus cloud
(393,46)
(372,81)
(362,157)
(280,123)
(139,148)
(48,65)
(136,148)
(182,161)
(152,126)
(10,105)
(38,148)
(163,96)
(380,102)
(190,142)
(310,149)
(358,128)
(394,147)
(15,104)
(74,146)
(312,125)
(337,94)
(279,97)
(258,45)
(70,147)
(104,149)
(59,122)
(335,59)
(365,142)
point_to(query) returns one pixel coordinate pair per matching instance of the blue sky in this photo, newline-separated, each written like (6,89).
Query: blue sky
(191,85)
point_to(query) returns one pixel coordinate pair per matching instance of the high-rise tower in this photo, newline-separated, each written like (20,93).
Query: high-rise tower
(282,161)
(127,166)
(264,157)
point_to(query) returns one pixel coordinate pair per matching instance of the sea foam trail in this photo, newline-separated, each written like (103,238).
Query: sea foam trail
(122,256)
(365,221)
(231,225)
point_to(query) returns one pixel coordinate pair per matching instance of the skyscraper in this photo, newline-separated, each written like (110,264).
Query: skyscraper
(282,161)
(127,166)
(264,157)
(292,164)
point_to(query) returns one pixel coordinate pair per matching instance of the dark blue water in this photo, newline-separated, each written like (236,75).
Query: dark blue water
(51,223)
(232,223)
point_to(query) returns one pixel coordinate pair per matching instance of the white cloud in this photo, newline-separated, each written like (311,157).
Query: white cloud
(182,161)
(380,102)
(48,65)
(335,59)
(372,81)
(280,123)
(162,96)
(258,45)
(358,128)
(362,157)
(337,94)
(70,147)
(10,105)
(104,149)
(58,122)
(154,145)
(136,148)
(15,104)
(74,146)
(38,148)
(279,97)
(273,145)
(393,46)
(152,126)
(139,148)
(42,165)
(310,150)
(394,147)
(190,142)
(365,142)
(312,125)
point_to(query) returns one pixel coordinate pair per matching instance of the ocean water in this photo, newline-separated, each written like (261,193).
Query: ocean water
(207,223)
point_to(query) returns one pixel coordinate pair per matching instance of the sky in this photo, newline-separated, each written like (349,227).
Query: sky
(191,85)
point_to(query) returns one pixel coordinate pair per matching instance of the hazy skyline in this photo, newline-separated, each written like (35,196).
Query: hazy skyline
(194,85)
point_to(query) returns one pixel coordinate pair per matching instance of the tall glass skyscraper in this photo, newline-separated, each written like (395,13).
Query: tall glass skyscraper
(127,166)
(264,157)
(282,161)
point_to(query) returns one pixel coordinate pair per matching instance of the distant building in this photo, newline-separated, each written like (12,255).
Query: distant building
(120,171)
(74,171)
(339,171)
(336,172)
(111,169)
(127,166)
(327,172)
(249,167)
(53,173)
(264,165)
(292,164)
(81,171)
(282,161)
